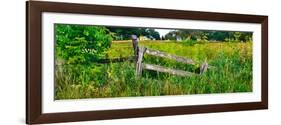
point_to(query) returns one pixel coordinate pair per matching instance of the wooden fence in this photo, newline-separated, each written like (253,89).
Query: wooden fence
(140,51)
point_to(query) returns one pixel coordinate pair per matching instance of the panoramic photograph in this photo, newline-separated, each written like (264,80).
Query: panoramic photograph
(94,61)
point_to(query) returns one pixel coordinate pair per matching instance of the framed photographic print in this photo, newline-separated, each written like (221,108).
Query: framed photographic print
(93,62)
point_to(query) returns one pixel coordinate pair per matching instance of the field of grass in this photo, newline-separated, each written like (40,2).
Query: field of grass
(233,72)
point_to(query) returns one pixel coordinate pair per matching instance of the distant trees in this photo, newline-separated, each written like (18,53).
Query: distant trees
(239,37)
(171,35)
(125,33)
(152,33)
(218,35)
(203,35)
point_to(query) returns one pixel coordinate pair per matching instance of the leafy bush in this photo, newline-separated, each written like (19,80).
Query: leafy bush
(81,44)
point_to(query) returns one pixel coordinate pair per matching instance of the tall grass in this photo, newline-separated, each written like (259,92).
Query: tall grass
(233,72)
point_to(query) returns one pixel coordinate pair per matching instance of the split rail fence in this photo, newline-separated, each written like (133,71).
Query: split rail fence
(139,53)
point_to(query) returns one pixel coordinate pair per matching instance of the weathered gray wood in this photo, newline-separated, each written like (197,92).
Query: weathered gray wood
(167,70)
(135,45)
(141,52)
(203,67)
(170,56)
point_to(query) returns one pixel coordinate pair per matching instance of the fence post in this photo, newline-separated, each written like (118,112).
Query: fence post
(135,45)
(139,67)
(203,67)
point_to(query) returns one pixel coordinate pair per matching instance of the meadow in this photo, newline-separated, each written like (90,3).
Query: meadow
(232,72)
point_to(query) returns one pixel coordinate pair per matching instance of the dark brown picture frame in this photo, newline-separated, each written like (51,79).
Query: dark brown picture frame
(34,10)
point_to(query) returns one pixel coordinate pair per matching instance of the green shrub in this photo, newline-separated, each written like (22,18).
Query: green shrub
(81,44)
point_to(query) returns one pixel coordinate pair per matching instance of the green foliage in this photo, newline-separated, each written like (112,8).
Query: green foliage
(233,73)
(189,42)
(237,36)
(205,36)
(122,33)
(78,75)
(81,44)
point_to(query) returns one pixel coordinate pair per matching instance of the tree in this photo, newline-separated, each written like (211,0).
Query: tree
(246,37)
(81,44)
(218,35)
(152,33)
(122,33)
(237,36)
(171,35)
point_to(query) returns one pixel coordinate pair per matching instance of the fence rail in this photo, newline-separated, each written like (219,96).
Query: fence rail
(167,70)
(140,51)
(169,56)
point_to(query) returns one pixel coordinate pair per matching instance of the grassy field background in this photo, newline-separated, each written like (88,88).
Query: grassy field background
(233,72)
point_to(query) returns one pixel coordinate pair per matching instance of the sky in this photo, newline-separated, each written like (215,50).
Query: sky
(163,32)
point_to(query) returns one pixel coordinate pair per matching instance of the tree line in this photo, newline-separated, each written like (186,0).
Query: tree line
(124,33)
(203,35)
